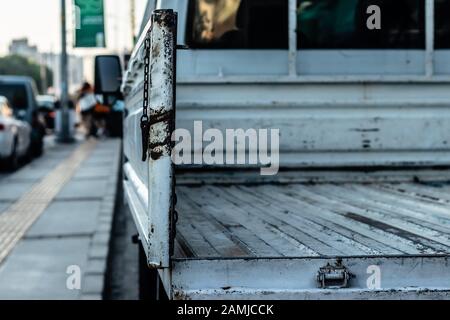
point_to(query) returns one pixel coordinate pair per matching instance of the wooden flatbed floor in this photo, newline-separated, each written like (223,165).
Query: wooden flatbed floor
(313,220)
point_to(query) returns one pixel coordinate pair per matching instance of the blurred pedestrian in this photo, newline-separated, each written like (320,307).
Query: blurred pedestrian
(87,103)
(100,115)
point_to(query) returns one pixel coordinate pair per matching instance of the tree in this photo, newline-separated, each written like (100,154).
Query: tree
(21,66)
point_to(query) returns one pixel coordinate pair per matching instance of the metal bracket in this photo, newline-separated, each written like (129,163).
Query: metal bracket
(334,276)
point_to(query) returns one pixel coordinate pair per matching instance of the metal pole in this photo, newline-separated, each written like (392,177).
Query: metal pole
(43,73)
(133,20)
(429,35)
(64,135)
(292,58)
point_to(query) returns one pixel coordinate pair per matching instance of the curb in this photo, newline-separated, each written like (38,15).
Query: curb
(94,275)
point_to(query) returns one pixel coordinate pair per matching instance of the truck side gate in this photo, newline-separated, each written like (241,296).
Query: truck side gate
(149,184)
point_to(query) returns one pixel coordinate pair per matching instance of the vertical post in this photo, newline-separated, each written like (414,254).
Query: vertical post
(162,112)
(64,135)
(292,60)
(429,36)
(133,20)
(43,74)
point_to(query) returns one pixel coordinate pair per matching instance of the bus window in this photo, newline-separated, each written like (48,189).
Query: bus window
(342,24)
(238,24)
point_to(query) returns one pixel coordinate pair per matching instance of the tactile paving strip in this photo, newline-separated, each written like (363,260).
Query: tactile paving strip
(16,220)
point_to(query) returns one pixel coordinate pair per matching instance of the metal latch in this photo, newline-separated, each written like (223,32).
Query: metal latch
(333,277)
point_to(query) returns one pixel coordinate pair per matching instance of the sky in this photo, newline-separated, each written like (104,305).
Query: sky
(38,20)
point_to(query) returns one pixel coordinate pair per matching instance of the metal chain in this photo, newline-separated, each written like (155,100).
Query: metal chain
(145,120)
(146,77)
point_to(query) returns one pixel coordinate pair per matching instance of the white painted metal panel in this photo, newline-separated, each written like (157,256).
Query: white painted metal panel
(408,277)
(242,62)
(331,124)
(441,62)
(361,62)
(149,184)
(162,115)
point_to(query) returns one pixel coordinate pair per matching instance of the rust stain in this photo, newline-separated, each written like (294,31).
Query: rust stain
(422,243)
(155,50)
(365,130)
(160,115)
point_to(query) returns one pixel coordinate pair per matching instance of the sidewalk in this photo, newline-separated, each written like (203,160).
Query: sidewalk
(55,220)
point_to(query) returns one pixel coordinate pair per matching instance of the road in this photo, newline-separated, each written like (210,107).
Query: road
(5,174)
(49,143)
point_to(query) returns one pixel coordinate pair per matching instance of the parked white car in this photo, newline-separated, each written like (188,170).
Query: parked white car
(14,136)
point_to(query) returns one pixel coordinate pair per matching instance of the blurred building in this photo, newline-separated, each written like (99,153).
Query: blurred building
(75,72)
(21,47)
(53,61)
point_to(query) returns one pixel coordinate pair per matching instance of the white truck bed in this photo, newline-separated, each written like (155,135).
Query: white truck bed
(311,234)
(275,238)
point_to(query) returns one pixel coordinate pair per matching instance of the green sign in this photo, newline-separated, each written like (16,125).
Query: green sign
(89,24)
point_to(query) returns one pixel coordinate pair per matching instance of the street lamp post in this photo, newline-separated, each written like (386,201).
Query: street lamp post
(133,20)
(64,135)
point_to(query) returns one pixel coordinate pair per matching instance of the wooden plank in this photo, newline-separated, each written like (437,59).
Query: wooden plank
(439,210)
(425,211)
(333,217)
(308,212)
(218,237)
(258,247)
(252,244)
(273,237)
(194,240)
(419,217)
(348,209)
(213,233)
(298,235)
(180,250)
(389,219)
(299,195)
(423,192)
(339,243)
(270,235)
(226,220)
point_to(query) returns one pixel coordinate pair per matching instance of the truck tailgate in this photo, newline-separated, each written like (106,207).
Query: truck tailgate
(271,240)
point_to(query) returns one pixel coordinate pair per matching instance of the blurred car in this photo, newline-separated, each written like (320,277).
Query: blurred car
(14,136)
(21,93)
(46,107)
